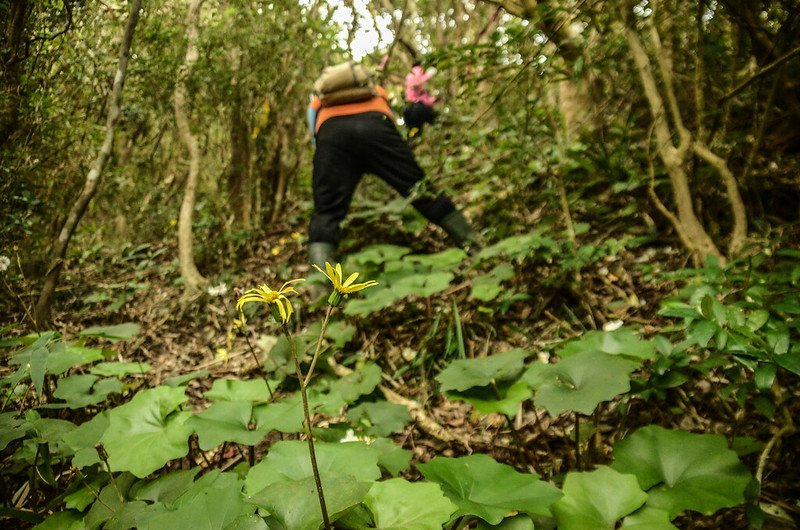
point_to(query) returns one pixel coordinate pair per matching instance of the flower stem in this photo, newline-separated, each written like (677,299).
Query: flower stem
(307,426)
(319,346)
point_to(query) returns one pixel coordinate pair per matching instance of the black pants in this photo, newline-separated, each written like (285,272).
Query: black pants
(347,148)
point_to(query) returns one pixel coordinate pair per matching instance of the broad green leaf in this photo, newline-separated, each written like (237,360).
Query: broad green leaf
(114,333)
(83,439)
(376,299)
(283,416)
(165,489)
(116,369)
(248,522)
(622,342)
(789,361)
(340,332)
(463,374)
(518,522)
(381,418)
(147,432)
(597,500)
(648,519)
(38,367)
(480,486)
(212,503)
(424,284)
(12,428)
(181,380)
(360,382)
(391,456)
(580,382)
(67,520)
(503,398)
(289,460)
(225,421)
(446,259)
(83,390)
(295,503)
(397,504)
(683,471)
(703,332)
(757,319)
(236,390)
(111,502)
(487,286)
(379,254)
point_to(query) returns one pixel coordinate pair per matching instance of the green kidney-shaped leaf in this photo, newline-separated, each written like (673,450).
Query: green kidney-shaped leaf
(683,471)
(487,286)
(648,519)
(118,332)
(225,421)
(381,417)
(83,439)
(119,369)
(619,342)
(391,456)
(211,503)
(147,432)
(480,486)
(518,522)
(397,504)
(360,382)
(597,500)
(502,399)
(463,374)
(289,460)
(236,390)
(295,503)
(580,382)
(83,390)
(165,489)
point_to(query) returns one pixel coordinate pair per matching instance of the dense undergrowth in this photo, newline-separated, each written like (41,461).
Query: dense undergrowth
(536,383)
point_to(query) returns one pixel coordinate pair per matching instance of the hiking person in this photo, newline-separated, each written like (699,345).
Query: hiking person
(358,137)
(419,102)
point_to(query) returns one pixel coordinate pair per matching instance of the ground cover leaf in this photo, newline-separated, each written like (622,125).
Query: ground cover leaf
(114,333)
(12,428)
(295,503)
(83,439)
(683,471)
(502,398)
(80,391)
(391,456)
(225,421)
(483,487)
(648,519)
(580,382)
(519,522)
(66,520)
(238,390)
(464,374)
(211,503)
(380,417)
(165,489)
(147,432)
(397,504)
(289,460)
(119,369)
(359,382)
(596,500)
(622,342)
(487,287)
(181,380)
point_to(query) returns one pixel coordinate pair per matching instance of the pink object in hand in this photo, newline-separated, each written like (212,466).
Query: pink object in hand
(415,87)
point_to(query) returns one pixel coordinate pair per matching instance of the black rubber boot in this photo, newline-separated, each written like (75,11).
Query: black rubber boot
(460,231)
(318,254)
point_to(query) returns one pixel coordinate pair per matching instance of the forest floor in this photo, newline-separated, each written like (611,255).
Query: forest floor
(180,335)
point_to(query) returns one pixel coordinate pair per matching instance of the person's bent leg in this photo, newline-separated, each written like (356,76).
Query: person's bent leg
(394,162)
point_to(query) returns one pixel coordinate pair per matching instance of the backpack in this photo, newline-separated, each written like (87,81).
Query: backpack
(343,83)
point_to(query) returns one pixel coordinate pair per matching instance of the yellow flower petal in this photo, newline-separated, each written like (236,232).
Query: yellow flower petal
(350,279)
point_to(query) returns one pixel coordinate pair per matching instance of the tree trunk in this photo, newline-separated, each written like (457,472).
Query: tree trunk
(189,270)
(688,225)
(11,56)
(44,304)
(238,178)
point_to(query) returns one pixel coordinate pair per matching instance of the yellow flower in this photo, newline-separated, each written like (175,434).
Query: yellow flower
(281,306)
(223,355)
(282,241)
(275,251)
(342,288)
(295,235)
